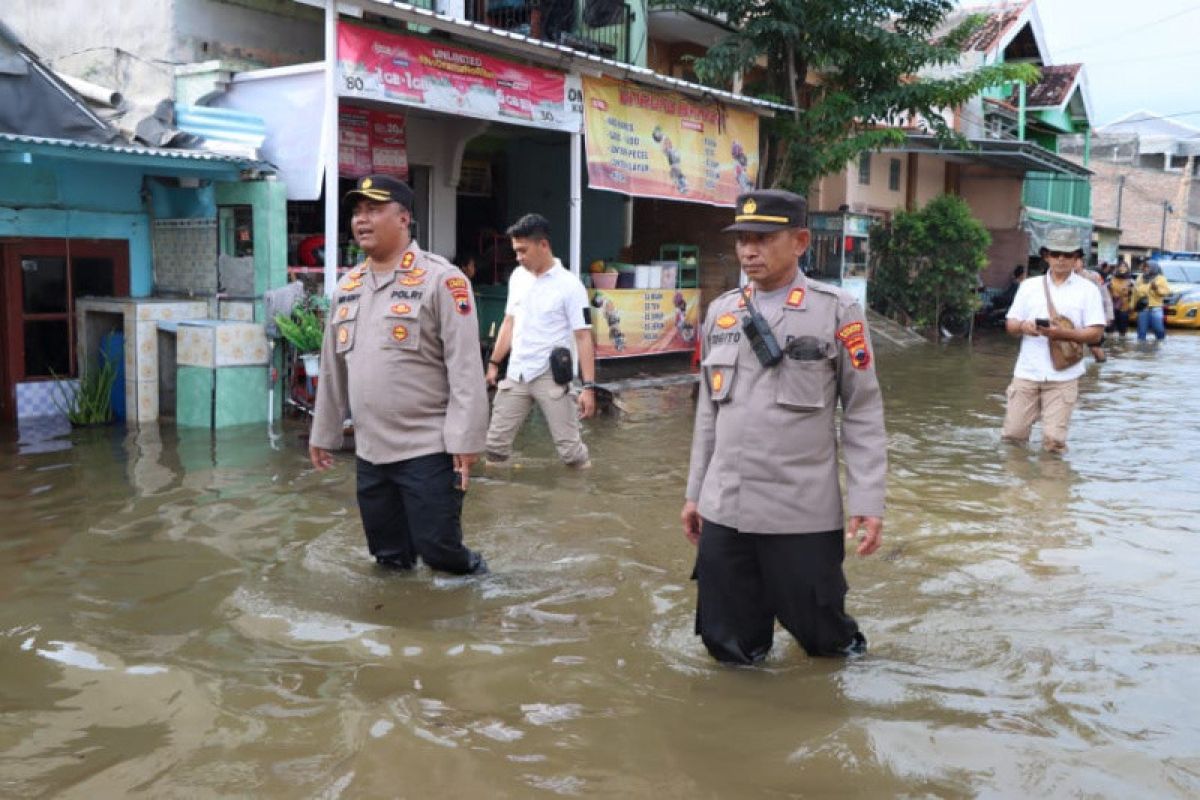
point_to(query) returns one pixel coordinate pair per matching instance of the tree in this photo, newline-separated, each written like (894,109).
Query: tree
(926,263)
(872,63)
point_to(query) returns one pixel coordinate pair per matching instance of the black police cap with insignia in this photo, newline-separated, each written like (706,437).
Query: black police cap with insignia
(767,211)
(382,188)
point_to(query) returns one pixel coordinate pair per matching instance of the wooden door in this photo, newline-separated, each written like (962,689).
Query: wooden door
(42,279)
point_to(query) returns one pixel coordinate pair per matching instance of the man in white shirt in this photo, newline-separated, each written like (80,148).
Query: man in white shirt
(1038,390)
(547,309)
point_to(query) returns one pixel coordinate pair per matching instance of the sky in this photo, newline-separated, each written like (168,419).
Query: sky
(1137,55)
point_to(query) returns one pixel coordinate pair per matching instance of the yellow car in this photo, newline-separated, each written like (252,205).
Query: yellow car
(1184,311)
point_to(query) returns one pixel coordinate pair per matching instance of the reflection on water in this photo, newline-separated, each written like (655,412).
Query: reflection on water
(190,615)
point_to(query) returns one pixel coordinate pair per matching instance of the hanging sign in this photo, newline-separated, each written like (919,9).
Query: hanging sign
(371,142)
(651,143)
(440,76)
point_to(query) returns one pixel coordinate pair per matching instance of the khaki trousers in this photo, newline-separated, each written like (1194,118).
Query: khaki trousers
(514,399)
(1050,401)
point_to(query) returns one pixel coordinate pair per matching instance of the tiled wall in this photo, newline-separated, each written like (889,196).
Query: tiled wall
(185,256)
(37,398)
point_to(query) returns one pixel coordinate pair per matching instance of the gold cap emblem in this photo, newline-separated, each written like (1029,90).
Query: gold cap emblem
(749,207)
(366,184)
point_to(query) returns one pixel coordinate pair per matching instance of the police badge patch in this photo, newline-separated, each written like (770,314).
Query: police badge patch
(853,337)
(460,291)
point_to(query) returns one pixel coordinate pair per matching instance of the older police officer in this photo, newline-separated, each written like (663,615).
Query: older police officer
(401,354)
(764,502)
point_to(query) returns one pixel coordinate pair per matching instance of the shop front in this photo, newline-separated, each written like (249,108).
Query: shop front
(685,160)
(483,139)
(480,138)
(840,250)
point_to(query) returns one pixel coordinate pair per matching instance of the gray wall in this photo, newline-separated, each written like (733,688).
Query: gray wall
(538,177)
(133,46)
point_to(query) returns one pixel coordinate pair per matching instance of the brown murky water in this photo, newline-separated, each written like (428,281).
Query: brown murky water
(189,616)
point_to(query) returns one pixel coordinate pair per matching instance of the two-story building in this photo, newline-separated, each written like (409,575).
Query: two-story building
(1011,173)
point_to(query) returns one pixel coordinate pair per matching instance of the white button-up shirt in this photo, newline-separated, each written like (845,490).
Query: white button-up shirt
(1077,299)
(546,309)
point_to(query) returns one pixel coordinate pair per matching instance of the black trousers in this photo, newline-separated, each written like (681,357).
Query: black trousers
(1121,322)
(747,580)
(412,509)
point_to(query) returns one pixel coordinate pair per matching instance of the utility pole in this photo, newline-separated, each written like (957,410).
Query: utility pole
(1120,192)
(1162,237)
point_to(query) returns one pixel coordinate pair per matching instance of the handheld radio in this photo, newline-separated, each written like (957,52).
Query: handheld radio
(762,341)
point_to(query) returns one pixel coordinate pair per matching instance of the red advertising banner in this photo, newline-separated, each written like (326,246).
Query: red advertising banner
(371,143)
(444,77)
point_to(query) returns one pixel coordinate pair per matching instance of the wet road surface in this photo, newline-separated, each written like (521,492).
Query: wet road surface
(192,616)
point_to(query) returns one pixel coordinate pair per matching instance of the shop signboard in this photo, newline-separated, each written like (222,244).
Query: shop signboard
(371,142)
(638,322)
(650,143)
(440,76)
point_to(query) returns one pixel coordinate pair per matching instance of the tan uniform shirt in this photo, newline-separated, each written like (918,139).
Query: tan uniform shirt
(764,452)
(401,355)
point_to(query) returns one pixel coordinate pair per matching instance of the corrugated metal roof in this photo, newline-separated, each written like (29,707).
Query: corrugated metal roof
(134,150)
(224,130)
(575,58)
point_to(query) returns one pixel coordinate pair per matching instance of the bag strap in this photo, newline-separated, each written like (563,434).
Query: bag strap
(1049,303)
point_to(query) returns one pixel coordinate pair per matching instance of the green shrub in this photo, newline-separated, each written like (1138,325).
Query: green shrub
(92,403)
(926,263)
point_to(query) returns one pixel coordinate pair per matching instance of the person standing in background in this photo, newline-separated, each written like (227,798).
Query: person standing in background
(1120,289)
(1149,293)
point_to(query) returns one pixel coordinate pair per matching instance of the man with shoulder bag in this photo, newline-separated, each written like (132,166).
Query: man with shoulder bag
(1055,316)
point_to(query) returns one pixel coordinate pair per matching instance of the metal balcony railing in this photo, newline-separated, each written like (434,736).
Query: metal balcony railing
(1058,194)
(600,27)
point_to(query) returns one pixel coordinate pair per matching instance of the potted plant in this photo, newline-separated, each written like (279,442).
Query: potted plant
(91,403)
(303,329)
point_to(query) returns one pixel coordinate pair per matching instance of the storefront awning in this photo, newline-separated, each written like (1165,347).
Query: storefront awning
(1001,153)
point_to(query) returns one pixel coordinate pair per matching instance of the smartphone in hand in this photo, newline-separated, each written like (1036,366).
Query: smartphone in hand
(1042,322)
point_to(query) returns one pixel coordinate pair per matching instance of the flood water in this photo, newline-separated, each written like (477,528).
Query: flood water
(184,615)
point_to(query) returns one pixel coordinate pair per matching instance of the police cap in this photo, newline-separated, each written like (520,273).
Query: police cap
(382,188)
(767,211)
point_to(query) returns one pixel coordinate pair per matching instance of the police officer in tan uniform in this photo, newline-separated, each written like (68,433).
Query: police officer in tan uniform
(401,355)
(764,502)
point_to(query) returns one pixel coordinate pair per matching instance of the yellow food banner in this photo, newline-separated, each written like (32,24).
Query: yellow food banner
(652,143)
(638,322)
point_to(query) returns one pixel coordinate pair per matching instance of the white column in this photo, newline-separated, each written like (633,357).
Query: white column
(576,202)
(329,148)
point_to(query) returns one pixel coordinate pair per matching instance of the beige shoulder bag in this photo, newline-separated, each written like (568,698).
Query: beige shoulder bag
(1063,353)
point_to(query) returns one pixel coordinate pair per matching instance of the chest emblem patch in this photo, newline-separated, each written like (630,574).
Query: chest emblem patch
(343,335)
(399,333)
(400,309)
(726,321)
(718,380)
(343,312)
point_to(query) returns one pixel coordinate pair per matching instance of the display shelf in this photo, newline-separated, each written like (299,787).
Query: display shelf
(688,257)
